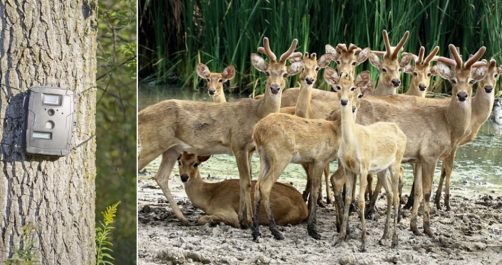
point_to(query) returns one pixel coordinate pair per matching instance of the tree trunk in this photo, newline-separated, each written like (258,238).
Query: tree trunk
(47,203)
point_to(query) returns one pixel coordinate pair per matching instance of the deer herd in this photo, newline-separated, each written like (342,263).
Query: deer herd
(368,131)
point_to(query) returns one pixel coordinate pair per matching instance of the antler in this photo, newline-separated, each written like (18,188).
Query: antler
(400,45)
(431,55)
(290,51)
(421,54)
(454,52)
(353,47)
(266,50)
(468,64)
(341,47)
(386,41)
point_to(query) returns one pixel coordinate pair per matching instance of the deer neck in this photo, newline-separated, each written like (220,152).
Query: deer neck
(198,191)
(348,125)
(382,90)
(220,98)
(269,104)
(458,117)
(302,108)
(414,90)
(481,108)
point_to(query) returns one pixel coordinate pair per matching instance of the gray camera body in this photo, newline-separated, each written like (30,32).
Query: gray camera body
(50,121)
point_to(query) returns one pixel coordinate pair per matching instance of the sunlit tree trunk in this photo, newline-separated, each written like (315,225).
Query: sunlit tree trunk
(47,203)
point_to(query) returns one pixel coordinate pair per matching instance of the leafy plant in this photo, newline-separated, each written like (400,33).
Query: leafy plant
(24,255)
(104,235)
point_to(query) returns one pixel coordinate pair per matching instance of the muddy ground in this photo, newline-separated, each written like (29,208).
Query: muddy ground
(471,233)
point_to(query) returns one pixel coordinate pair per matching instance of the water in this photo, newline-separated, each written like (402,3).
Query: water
(478,165)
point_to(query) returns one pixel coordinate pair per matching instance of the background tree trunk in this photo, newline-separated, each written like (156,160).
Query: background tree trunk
(47,203)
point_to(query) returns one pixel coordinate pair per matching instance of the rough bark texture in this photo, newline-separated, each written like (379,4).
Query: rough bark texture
(47,200)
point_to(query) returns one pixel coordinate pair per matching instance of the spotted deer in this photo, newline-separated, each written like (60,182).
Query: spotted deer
(171,127)
(220,200)
(215,81)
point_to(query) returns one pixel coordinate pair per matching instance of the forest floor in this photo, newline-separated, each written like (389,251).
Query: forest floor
(470,233)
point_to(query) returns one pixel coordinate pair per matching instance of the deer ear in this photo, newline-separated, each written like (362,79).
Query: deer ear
(479,73)
(363,55)
(500,70)
(363,81)
(442,70)
(202,71)
(258,62)
(326,59)
(203,158)
(330,49)
(228,73)
(295,68)
(374,59)
(408,62)
(331,76)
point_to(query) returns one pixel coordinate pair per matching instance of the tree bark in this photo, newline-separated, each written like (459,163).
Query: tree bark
(47,203)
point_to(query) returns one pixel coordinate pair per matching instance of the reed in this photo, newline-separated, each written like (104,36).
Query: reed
(225,32)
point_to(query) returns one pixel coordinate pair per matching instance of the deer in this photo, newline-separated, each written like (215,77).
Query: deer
(281,139)
(215,81)
(374,148)
(420,69)
(170,127)
(220,200)
(482,104)
(390,76)
(442,126)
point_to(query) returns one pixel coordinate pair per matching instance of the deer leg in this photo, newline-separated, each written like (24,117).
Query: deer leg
(307,186)
(348,199)
(316,171)
(389,194)
(362,204)
(162,177)
(417,192)
(396,176)
(227,217)
(448,173)
(337,182)
(326,178)
(369,178)
(439,190)
(245,210)
(372,204)
(427,176)
(411,198)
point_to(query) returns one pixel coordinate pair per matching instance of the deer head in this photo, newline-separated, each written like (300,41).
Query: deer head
(491,73)
(388,66)
(188,166)
(276,71)
(347,58)
(460,74)
(215,80)
(420,68)
(311,66)
(349,92)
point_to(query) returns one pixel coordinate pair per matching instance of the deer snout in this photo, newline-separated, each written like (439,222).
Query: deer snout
(309,80)
(184,178)
(462,96)
(396,82)
(274,88)
(211,91)
(422,87)
(488,89)
(344,102)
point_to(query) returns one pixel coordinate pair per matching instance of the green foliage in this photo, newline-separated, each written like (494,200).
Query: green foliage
(175,36)
(104,235)
(24,255)
(116,122)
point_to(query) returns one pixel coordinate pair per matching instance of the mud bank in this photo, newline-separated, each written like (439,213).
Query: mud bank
(471,233)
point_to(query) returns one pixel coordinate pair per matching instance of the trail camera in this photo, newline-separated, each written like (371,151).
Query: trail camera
(49,122)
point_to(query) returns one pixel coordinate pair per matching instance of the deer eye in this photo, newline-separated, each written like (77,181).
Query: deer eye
(495,75)
(453,81)
(429,74)
(267,73)
(338,87)
(415,73)
(472,81)
(384,70)
(195,165)
(317,68)
(285,75)
(353,63)
(337,61)
(220,80)
(359,95)
(353,88)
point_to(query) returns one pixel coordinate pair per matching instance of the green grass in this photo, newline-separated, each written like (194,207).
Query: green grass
(227,31)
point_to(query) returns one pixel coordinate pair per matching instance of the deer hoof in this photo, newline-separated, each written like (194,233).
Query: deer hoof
(277,235)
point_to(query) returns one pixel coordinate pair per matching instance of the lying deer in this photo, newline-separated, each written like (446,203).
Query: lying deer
(220,201)
(441,127)
(281,139)
(420,69)
(171,127)
(389,78)
(367,149)
(215,81)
